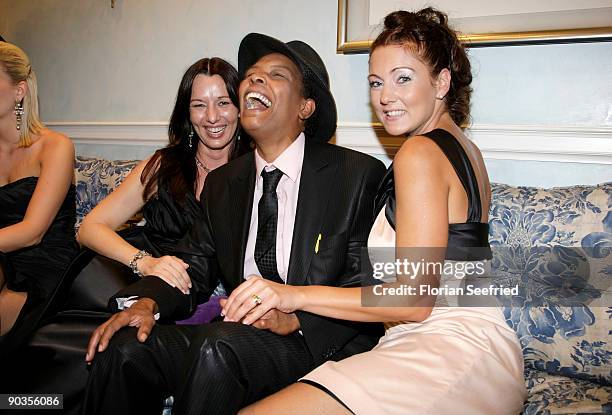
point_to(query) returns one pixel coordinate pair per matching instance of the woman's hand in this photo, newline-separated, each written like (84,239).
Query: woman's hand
(256,296)
(169,268)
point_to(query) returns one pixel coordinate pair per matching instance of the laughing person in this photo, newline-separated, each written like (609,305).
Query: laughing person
(296,211)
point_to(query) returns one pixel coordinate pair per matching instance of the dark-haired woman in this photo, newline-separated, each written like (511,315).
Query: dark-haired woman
(434,358)
(204,134)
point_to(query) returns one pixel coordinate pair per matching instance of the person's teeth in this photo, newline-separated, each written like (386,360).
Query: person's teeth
(215,130)
(395,113)
(260,97)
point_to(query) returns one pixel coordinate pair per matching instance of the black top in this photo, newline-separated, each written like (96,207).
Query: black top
(466,241)
(167,221)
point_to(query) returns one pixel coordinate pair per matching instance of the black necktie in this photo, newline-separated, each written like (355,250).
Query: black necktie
(267,218)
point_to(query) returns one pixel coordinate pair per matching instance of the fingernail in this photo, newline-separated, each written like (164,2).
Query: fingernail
(100,348)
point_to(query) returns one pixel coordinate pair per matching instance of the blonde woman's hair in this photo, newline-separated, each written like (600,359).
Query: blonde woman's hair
(17,66)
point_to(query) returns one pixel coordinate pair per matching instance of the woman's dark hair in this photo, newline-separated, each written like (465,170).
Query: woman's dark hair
(426,33)
(175,164)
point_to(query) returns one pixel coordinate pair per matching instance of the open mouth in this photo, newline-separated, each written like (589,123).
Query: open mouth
(257,101)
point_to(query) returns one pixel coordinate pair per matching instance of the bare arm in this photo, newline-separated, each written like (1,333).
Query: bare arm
(97,232)
(421,221)
(56,175)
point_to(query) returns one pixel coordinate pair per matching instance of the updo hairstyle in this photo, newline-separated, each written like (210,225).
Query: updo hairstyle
(427,34)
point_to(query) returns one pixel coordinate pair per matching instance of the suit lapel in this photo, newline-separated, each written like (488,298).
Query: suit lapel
(316,181)
(242,188)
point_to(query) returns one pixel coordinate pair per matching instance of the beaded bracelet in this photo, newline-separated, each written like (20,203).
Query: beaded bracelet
(133,263)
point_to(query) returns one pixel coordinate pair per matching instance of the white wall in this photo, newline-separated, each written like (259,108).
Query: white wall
(101,65)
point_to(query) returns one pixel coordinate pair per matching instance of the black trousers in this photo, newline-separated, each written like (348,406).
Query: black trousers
(215,368)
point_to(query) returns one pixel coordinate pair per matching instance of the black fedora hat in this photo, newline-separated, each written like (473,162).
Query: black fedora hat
(321,125)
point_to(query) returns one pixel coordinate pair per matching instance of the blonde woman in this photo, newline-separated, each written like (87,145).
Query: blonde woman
(37,208)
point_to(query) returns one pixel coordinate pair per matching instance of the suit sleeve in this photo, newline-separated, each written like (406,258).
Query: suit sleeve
(198,251)
(327,336)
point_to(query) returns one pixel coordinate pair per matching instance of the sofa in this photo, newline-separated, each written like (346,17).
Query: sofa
(555,244)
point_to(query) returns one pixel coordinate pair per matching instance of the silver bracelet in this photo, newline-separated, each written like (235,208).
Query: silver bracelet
(133,263)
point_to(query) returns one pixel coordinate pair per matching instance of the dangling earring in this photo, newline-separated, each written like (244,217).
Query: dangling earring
(19,114)
(190,137)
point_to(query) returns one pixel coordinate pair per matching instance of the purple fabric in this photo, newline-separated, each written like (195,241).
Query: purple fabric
(205,312)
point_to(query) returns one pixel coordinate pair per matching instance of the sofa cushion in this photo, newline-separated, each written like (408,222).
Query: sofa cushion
(550,394)
(95,179)
(556,245)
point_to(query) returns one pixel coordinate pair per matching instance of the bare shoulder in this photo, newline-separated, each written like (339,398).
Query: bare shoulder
(55,143)
(419,153)
(140,166)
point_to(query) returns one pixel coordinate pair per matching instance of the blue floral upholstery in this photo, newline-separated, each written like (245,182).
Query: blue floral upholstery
(95,179)
(557,245)
(550,394)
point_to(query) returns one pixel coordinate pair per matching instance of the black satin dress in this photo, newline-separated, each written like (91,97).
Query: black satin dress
(39,269)
(167,221)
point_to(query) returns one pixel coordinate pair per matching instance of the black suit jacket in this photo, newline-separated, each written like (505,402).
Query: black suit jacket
(335,199)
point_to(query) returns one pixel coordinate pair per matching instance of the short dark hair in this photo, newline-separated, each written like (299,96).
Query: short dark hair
(175,163)
(427,33)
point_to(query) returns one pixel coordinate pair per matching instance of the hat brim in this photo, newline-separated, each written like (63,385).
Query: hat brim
(321,125)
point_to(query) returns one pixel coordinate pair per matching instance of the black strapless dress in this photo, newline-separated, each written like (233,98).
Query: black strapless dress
(38,269)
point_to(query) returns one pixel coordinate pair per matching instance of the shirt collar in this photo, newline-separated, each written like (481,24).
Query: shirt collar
(289,161)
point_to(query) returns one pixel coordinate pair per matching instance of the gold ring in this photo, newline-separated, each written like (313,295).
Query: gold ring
(256,299)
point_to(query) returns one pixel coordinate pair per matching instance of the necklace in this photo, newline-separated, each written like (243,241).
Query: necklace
(201,165)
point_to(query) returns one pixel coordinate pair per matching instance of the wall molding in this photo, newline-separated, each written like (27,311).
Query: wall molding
(502,142)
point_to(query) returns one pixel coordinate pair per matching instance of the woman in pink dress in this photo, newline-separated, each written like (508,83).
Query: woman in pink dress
(435,358)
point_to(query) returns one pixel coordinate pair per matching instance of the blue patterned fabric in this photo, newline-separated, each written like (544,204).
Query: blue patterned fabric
(550,394)
(95,179)
(562,314)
